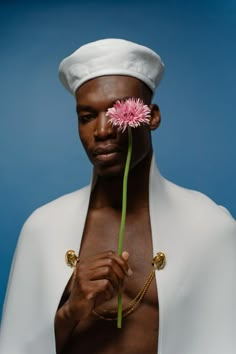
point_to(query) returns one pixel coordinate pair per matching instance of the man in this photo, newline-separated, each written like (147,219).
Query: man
(189,306)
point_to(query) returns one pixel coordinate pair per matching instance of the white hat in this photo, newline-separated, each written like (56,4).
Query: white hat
(111,57)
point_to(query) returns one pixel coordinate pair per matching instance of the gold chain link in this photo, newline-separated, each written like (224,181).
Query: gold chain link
(112,315)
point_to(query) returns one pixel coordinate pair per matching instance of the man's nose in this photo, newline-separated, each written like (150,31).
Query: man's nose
(103,128)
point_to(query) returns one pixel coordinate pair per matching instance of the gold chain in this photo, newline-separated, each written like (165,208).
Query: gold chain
(112,315)
(158,262)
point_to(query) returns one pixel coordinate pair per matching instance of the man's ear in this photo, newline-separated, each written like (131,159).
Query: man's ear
(155,119)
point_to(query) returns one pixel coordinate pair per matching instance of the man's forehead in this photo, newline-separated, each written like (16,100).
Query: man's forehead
(107,90)
(119,84)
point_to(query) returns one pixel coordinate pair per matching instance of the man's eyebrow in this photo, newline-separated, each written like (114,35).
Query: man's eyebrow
(81,107)
(121,99)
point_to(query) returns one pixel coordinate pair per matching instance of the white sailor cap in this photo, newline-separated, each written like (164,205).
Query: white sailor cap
(111,56)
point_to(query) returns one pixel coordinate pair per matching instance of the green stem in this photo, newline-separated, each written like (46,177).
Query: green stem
(123,217)
(119,311)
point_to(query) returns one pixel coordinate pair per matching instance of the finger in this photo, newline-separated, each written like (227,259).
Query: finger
(83,300)
(97,261)
(122,262)
(125,256)
(101,287)
(106,268)
(98,256)
(113,273)
(111,263)
(107,273)
(103,256)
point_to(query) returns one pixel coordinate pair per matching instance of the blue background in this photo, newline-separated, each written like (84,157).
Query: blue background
(41,157)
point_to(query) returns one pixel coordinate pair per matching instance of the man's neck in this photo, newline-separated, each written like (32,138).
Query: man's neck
(107,192)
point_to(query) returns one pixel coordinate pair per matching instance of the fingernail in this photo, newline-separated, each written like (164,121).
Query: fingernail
(125,255)
(129,272)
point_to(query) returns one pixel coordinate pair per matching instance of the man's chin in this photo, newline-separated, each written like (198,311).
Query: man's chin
(110,171)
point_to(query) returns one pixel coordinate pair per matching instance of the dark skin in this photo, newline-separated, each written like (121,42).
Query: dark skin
(101,273)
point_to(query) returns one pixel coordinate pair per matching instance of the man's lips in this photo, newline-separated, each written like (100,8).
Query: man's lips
(106,150)
(105,153)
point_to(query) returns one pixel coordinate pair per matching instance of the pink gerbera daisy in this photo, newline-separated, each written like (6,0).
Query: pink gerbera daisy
(131,112)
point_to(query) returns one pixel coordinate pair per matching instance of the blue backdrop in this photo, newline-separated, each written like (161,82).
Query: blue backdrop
(41,156)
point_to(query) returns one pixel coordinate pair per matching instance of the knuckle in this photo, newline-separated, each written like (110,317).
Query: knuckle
(105,283)
(91,295)
(110,261)
(106,270)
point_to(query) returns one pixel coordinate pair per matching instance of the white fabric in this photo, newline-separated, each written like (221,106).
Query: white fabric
(111,56)
(196,289)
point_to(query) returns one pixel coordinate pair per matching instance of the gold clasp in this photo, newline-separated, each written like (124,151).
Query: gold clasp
(71,258)
(159,261)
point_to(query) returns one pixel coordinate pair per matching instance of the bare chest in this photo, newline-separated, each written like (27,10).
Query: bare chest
(101,234)
(140,328)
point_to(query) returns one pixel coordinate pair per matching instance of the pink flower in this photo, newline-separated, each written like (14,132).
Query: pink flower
(131,112)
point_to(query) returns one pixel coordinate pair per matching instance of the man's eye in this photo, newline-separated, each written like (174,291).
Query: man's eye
(85,118)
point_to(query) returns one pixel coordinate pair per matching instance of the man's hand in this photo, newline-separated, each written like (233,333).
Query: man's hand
(96,280)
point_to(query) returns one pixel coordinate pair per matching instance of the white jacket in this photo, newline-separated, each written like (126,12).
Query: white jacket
(196,289)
